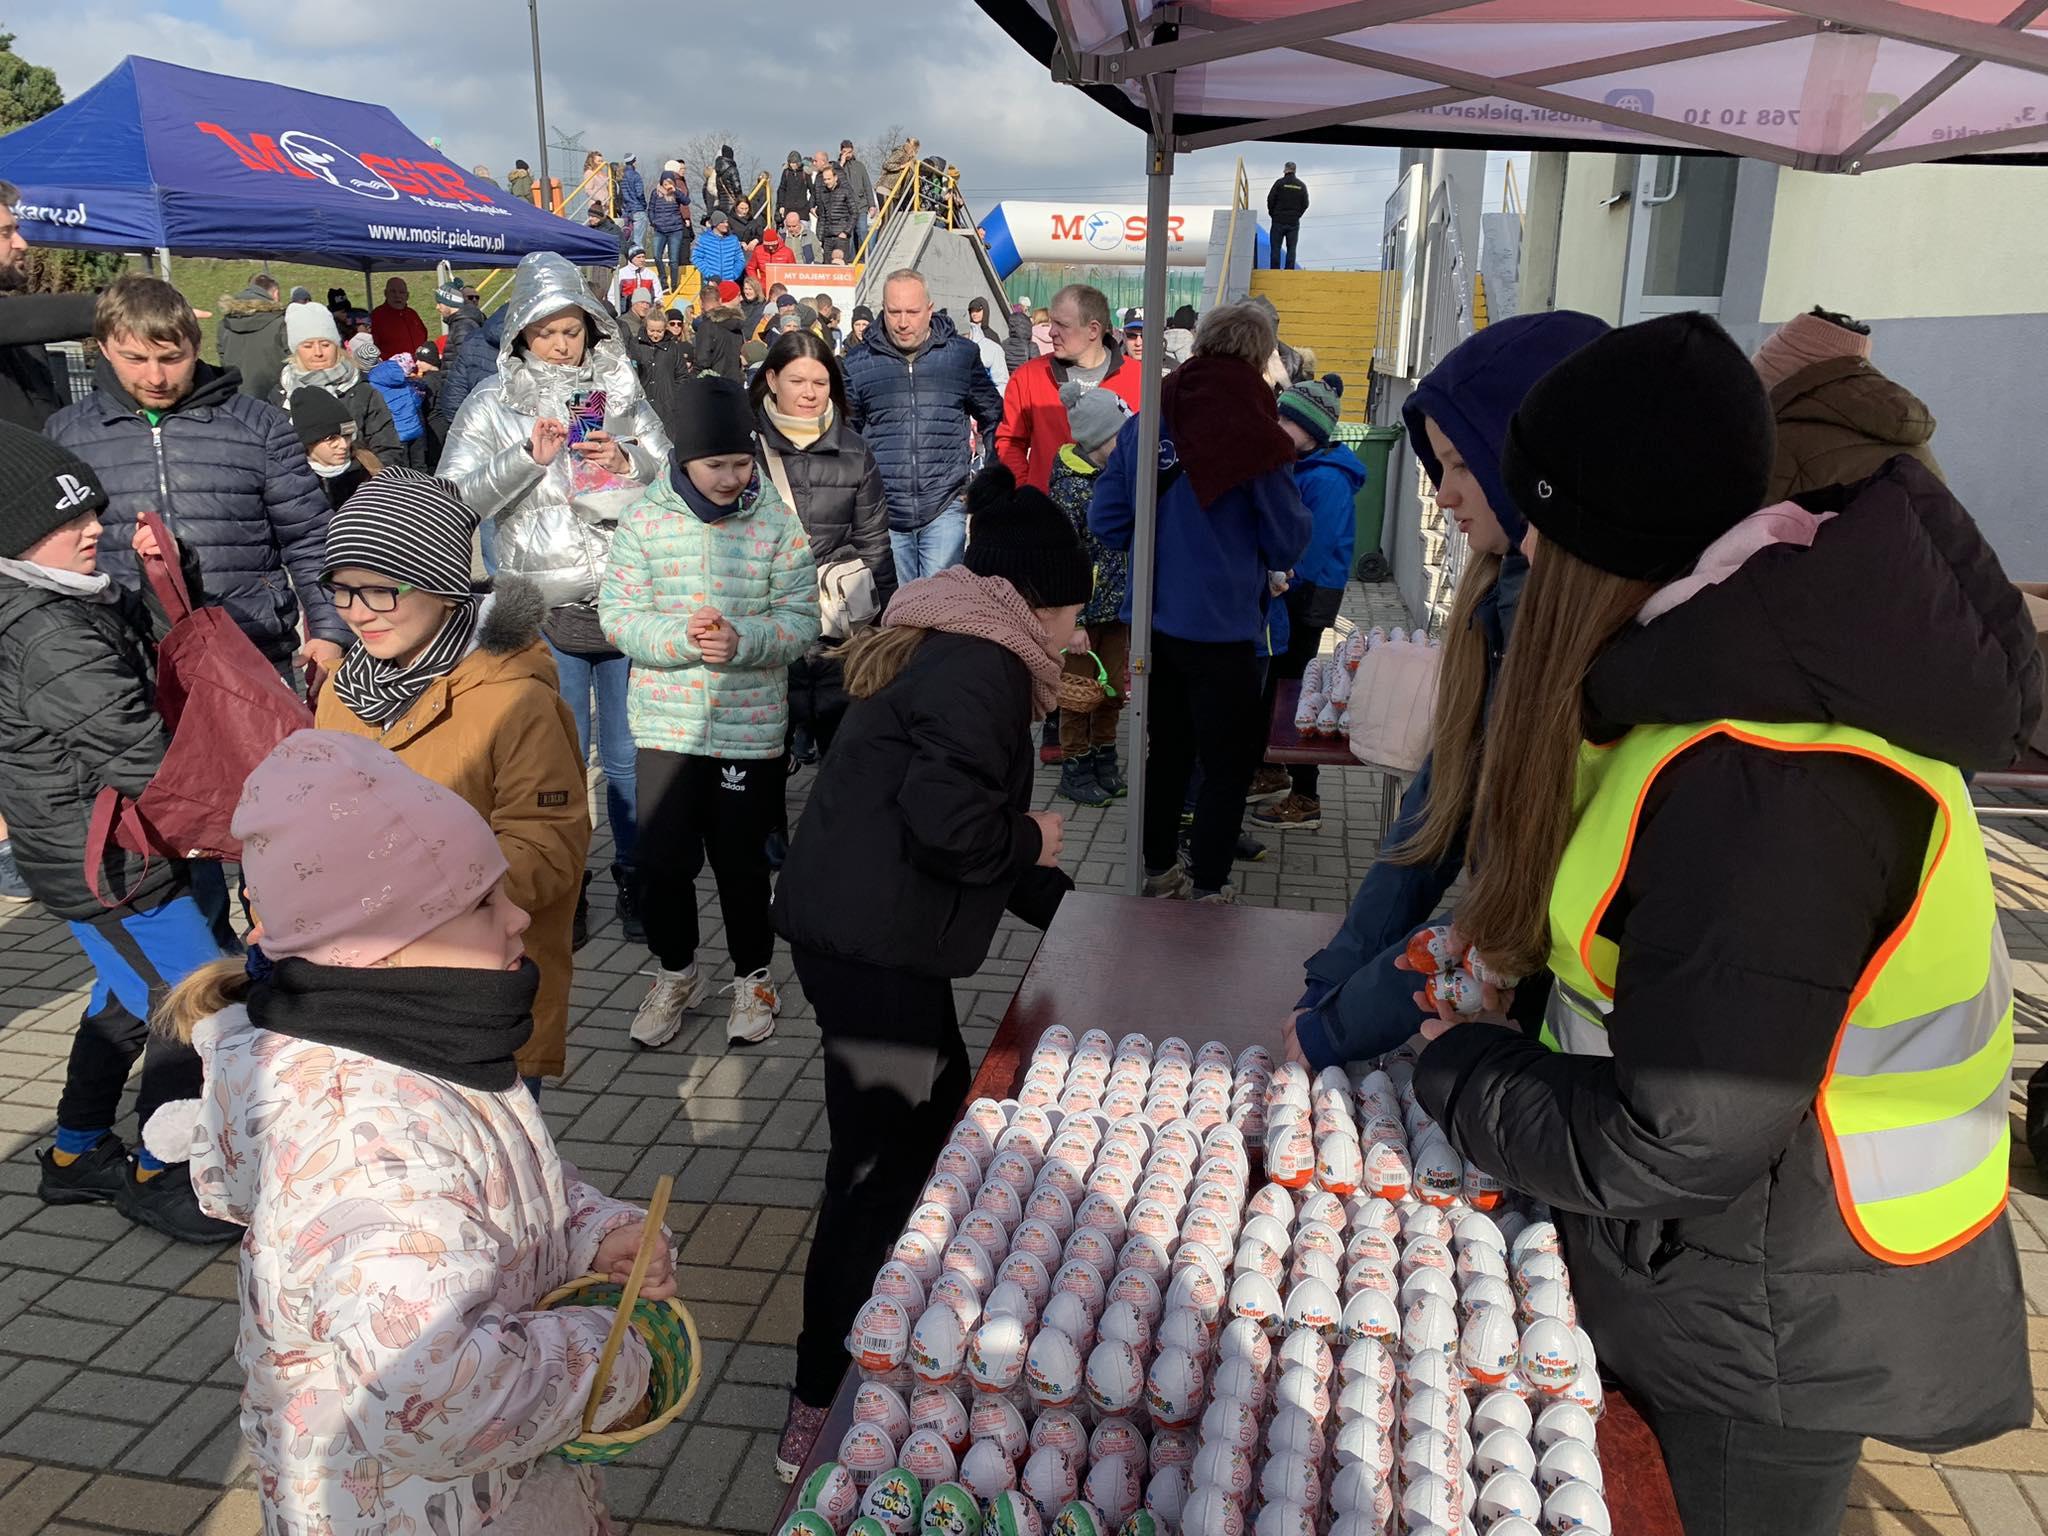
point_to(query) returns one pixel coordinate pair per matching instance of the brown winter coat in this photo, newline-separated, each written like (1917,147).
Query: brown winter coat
(1841,421)
(495,730)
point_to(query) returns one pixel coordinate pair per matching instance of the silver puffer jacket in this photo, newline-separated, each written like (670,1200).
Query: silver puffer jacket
(559,542)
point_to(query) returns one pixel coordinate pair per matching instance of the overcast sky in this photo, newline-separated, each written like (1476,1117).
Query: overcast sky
(797,74)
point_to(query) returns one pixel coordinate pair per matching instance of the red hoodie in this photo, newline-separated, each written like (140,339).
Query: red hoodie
(770,250)
(1035,426)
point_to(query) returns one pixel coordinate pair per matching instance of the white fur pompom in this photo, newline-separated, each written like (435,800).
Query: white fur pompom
(169,1135)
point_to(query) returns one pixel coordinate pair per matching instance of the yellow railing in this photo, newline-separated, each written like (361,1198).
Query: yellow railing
(1240,202)
(909,178)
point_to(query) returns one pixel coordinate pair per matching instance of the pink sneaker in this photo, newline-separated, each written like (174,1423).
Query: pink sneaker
(800,1433)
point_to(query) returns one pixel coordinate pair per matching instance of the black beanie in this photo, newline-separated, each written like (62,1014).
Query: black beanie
(711,417)
(42,487)
(317,414)
(1643,447)
(1020,534)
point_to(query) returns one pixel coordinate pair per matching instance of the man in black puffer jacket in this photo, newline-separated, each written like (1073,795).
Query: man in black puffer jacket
(914,388)
(171,434)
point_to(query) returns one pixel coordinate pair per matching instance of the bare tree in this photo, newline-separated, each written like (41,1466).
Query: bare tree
(881,147)
(702,149)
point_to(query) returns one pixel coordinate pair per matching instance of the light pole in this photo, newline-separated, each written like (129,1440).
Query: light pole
(540,111)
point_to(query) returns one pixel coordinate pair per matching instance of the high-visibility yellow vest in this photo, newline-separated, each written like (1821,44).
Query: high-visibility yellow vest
(1913,1108)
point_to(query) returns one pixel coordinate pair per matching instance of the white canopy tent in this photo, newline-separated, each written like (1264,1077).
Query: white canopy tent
(1827,85)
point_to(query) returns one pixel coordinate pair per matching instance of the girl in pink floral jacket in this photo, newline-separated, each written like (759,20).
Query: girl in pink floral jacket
(406,1209)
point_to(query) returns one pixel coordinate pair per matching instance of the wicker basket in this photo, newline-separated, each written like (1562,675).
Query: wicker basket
(1080,695)
(670,1334)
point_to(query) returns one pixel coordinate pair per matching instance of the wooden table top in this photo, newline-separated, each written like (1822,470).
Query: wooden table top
(1212,973)
(1284,744)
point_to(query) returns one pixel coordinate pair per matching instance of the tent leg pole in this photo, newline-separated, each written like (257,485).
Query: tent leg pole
(1151,372)
(163,262)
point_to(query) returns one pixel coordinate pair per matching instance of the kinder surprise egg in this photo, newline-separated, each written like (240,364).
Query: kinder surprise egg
(1008,1299)
(1027,1271)
(806,1522)
(1291,1154)
(1507,1493)
(1138,1289)
(1483,1292)
(1123,1321)
(895,1280)
(1114,1377)
(940,1410)
(1062,1429)
(1243,1339)
(1114,1486)
(1011,1513)
(1254,1297)
(866,1452)
(1549,1355)
(1305,1347)
(1069,1313)
(894,1500)
(874,1403)
(1049,1477)
(1285,1518)
(1291,1480)
(1183,1328)
(830,1491)
(1173,1388)
(1272,1200)
(1117,1436)
(1549,1298)
(1576,1507)
(1211,1512)
(1312,1304)
(1430,1498)
(1489,1346)
(1536,1237)
(1240,1378)
(1429,1324)
(1503,1451)
(998,1418)
(1052,1372)
(987,1470)
(1566,1462)
(1371,1314)
(1339,1164)
(1173,1447)
(927,1454)
(1387,1173)
(938,1344)
(1167,1494)
(881,1335)
(1077,1517)
(1501,1410)
(920,1255)
(1231,1421)
(950,1510)
(1564,1421)
(1367,1359)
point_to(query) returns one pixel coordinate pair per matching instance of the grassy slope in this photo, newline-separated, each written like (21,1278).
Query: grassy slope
(203,280)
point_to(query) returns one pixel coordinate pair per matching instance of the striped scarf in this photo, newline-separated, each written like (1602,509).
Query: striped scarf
(410,527)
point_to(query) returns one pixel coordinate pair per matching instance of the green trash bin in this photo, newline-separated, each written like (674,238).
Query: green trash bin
(1374,445)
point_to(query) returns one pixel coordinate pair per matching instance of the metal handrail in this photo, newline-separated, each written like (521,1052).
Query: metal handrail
(881,217)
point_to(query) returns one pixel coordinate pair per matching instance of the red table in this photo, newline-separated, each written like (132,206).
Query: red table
(1284,744)
(1212,973)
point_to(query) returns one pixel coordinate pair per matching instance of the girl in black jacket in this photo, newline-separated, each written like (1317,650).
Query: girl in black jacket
(78,715)
(917,837)
(823,470)
(1774,1126)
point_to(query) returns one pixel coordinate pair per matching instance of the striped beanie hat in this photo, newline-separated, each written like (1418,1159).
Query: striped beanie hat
(1311,406)
(408,525)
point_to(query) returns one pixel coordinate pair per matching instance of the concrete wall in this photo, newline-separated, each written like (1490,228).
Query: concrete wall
(1915,240)
(1592,241)
(1536,283)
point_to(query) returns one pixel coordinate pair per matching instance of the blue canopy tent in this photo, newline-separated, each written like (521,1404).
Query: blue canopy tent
(158,157)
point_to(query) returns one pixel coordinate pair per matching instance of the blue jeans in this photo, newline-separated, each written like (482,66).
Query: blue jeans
(671,250)
(607,679)
(940,543)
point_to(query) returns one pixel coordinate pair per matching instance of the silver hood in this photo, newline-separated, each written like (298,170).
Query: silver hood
(544,284)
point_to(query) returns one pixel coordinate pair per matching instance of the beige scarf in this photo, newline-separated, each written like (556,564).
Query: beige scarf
(958,602)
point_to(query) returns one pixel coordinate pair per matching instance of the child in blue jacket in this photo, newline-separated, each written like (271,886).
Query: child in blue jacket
(1329,477)
(390,381)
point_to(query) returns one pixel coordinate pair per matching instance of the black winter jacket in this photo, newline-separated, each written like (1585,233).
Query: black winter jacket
(793,191)
(1689,1171)
(77,713)
(1286,200)
(250,339)
(915,412)
(835,212)
(916,837)
(229,475)
(32,385)
(1017,349)
(469,361)
(717,343)
(375,428)
(839,498)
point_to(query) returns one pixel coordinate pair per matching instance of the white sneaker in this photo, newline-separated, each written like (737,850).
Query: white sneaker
(1173,885)
(674,993)
(754,1006)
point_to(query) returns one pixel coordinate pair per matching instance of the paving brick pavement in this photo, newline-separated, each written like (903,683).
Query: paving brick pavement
(117,1386)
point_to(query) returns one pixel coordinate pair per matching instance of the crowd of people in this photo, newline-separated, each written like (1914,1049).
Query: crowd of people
(1761,1073)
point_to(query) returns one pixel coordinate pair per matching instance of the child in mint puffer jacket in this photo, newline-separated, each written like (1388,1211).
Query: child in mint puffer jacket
(712,593)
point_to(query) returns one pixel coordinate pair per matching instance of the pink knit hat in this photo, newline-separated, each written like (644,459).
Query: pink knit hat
(350,855)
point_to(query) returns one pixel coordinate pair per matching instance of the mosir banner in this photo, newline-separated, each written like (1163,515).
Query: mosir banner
(1094,234)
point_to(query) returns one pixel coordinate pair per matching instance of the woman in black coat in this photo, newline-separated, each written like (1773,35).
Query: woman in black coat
(917,837)
(827,474)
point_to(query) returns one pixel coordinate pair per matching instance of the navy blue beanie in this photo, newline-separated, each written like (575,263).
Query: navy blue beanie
(1473,393)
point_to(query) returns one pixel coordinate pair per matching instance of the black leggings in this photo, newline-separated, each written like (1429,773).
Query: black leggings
(896,1070)
(1734,1478)
(691,806)
(1205,709)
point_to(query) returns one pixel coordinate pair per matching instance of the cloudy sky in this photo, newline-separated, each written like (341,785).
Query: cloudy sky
(797,74)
